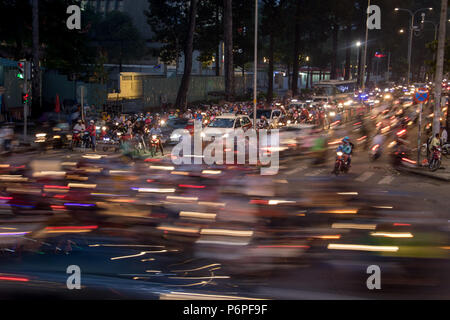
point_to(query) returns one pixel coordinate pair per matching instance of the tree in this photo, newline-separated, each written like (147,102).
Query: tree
(168,20)
(15,27)
(272,25)
(243,34)
(118,37)
(209,32)
(188,49)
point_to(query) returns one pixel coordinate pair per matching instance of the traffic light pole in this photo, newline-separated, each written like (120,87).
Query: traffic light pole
(419,136)
(25,106)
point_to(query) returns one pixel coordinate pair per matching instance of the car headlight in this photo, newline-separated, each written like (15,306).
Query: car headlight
(340,154)
(104,128)
(56,137)
(332,114)
(289,122)
(203,135)
(175,136)
(226,135)
(154,137)
(41,135)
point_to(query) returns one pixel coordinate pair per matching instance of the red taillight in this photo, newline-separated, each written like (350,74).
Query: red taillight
(14,279)
(401,132)
(409,161)
(375,147)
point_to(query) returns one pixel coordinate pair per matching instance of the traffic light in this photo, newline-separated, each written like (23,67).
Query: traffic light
(25,98)
(21,70)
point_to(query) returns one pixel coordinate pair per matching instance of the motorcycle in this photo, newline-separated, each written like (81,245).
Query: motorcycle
(435,162)
(43,142)
(446,149)
(86,140)
(76,140)
(341,166)
(375,152)
(155,143)
(139,143)
(400,156)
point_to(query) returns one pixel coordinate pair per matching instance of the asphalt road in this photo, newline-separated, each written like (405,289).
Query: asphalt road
(121,262)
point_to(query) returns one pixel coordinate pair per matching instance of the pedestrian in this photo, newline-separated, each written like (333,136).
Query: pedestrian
(92,133)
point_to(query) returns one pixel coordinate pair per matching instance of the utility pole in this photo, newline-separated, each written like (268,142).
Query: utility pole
(440,69)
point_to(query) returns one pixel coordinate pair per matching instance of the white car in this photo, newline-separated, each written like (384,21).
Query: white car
(227,124)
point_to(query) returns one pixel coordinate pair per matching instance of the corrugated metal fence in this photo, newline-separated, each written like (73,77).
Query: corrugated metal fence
(164,90)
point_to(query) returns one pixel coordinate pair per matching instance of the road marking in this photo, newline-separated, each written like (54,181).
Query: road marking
(386,180)
(365,176)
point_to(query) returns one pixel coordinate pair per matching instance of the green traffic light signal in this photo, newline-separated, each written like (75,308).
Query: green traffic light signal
(21,70)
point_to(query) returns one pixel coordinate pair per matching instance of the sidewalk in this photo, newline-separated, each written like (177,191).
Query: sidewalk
(442,174)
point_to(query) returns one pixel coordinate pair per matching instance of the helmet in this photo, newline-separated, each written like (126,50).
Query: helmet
(346,139)
(92,121)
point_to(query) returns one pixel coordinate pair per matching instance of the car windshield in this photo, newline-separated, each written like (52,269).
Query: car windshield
(177,123)
(222,123)
(260,113)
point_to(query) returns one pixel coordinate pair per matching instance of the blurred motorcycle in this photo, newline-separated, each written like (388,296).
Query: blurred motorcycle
(435,162)
(155,144)
(340,166)
(375,152)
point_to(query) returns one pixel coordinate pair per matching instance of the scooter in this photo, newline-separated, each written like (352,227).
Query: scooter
(435,162)
(375,152)
(155,142)
(341,166)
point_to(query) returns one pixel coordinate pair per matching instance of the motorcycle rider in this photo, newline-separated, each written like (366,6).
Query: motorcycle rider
(79,126)
(435,143)
(347,148)
(378,139)
(263,123)
(78,130)
(156,130)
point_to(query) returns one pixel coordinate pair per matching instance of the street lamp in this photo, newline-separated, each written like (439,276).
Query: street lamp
(436,26)
(411,30)
(307,73)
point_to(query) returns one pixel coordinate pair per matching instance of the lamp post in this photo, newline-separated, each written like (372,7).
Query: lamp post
(358,62)
(307,73)
(436,27)
(411,31)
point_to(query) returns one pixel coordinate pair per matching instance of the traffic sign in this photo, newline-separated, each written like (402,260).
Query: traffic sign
(422,95)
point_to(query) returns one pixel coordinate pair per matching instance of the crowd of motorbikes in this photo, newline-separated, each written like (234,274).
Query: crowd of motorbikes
(111,136)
